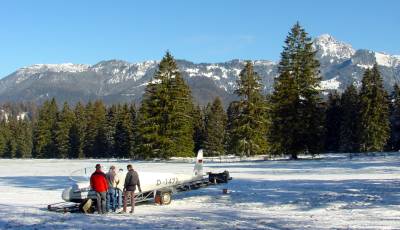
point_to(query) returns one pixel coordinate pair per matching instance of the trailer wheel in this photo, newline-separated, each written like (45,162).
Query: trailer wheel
(166,198)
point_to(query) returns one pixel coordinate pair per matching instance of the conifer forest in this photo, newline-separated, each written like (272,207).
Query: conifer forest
(295,119)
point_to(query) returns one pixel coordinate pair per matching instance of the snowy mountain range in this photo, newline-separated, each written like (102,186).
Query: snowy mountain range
(121,81)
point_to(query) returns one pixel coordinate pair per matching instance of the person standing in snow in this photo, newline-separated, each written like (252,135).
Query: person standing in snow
(98,182)
(131,181)
(120,188)
(113,180)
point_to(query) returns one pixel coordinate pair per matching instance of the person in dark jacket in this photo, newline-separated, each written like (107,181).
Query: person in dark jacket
(131,181)
(98,182)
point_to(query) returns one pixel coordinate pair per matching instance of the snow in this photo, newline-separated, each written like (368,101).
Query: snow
(22,116)
(192,72)
(365,66)
(211,75)
(264,63)
(329,46)
(25,73)
(65,67)
(386,60)
(4,115)
(332,192)
(143,67)
(213,67)
(332,84)
(124,72)
(223,87)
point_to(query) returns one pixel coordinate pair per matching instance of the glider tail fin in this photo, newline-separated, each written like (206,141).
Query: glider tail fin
(198,167)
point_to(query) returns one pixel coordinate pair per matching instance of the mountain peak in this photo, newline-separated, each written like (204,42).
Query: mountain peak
(328,46)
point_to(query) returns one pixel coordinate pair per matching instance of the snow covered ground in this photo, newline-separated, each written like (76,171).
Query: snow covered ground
(333,192)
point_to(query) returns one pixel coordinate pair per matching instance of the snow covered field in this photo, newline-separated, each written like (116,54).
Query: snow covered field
(328,193)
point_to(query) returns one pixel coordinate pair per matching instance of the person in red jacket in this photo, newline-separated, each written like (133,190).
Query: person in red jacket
(98,182)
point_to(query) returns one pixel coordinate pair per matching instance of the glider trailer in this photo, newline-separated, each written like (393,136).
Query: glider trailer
(157,187)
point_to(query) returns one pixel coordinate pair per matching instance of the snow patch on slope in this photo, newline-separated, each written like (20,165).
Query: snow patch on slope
(124,71)
(365,66)
(25,72)
(387,60)
(65,67)
(331,84)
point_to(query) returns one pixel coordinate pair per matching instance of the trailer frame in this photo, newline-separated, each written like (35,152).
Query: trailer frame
(212,179)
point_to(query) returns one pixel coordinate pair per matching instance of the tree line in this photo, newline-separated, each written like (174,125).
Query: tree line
(293,120)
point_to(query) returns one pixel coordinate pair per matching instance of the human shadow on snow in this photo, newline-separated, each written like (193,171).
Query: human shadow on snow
(170,219)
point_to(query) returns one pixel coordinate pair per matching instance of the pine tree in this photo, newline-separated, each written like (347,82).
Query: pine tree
(23,139)
(333,123)
(374,112)
(77,132)
(44,135)
(95,143)
(215,123)
(111,122)
(3,137)
(297,114)
(90,131)
(133,126)
(123,133)
(62,131)
(180,118)
(100,148)
(11,145)
(199,129)
(394,141)
(349,129)
(249,136)
(10,148)
(232,117)
(165,124)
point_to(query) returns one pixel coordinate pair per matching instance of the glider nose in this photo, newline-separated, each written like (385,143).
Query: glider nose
(66,194)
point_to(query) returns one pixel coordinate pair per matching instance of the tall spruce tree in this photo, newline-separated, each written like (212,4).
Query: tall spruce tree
(394,141)
(350,120)
(133,127)
(297,114)
(95,143)
(333,123)
(10,148)
(11,143)
(111,122)
(165,122)
(23,139)
(215,123)
(232,117)
(248,135)
(123,136)
(77,132)
(44,132)
(62,130)
(3,136)
(100,148)
(199,128)
(374,112)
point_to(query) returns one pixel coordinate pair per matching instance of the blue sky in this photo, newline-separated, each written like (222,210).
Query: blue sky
(84,31)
